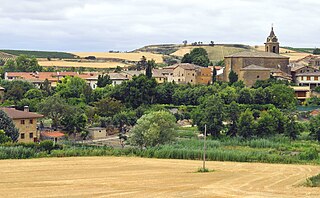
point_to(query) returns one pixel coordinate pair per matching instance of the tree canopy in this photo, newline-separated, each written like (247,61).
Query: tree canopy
(198,56)
(6,124)
(153,129)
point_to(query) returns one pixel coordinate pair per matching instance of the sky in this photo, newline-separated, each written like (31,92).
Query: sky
(103,25)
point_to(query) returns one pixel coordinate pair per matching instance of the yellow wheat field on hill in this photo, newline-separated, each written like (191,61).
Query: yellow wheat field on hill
(293,55)
(125,56)
(215,53)
(102,65)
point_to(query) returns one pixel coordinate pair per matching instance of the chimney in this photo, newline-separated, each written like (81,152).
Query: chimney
(26,108)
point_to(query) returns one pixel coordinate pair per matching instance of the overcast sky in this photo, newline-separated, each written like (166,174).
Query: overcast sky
(103,25)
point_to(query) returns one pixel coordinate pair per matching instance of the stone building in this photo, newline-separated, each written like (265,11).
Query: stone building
(250,74)
(184,73)
(26,122)
(267,59)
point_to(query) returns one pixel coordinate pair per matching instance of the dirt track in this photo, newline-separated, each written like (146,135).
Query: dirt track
(136,177)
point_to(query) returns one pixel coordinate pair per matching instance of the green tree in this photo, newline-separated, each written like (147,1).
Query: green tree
(22,63)
(104,80)
(140,90)
(314,127)
(211,113)
(142,64)
(266,125)
(150,65)
(34,94)
(46,87)
(153,129)
(74,119)
(245,96)
(316,51)
(233,113)
(281,96)
(293,128)
(233,77)
(198,56)
(214,75)
(246,124)
(71,87)
(3,137)
(107,107)
(54,107)
(6,124)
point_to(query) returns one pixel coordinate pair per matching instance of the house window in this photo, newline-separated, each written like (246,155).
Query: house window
(30,135)
(179,80)
(316,78)
(258,76)
(301,77)
(308,78)
(192,74)
(30,121)
(22,135)
(191,80)
(22,122)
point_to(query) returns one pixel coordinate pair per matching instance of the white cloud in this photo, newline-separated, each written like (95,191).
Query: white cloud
(102,25)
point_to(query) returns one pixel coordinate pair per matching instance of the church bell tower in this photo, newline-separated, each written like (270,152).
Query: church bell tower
(272,44)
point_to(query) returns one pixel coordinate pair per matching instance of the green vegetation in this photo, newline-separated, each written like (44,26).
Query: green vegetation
(313,181)
(40,54)
(6,125)
(197,56)
(302,50)
(153,129)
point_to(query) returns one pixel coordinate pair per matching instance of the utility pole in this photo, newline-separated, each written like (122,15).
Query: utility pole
(204,147)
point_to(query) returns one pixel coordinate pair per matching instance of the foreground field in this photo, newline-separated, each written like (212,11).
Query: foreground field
(137,177)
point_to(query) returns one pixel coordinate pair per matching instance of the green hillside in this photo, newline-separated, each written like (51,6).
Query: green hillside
(40,54)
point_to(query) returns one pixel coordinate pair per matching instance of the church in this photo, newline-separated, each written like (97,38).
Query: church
(252,66)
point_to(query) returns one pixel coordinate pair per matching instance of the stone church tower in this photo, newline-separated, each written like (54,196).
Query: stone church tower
(272,44)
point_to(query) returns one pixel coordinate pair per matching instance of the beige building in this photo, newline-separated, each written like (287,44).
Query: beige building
(97,133)
(1,94)
(250,74)
(26,122)
(301,69)
(311,79)
(184,73)
(302,92)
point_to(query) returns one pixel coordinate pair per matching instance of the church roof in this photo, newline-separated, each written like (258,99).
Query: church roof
(256,67)
(250,54)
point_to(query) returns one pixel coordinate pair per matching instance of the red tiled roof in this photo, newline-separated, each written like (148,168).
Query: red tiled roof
(53,134)
(17,114)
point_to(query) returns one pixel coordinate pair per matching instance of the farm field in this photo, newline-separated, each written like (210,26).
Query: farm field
(138,177)
(293,55)
(62,63)
(136,56)
(215,53)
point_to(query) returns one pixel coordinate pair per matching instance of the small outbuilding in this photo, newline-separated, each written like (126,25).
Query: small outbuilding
(97,133)
(55,136)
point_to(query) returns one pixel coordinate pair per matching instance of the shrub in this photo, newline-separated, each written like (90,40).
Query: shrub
(313,181)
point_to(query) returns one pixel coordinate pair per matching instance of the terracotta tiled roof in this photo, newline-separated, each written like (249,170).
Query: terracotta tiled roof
(249,54)
(157,73)
(53,134)
(17,114)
